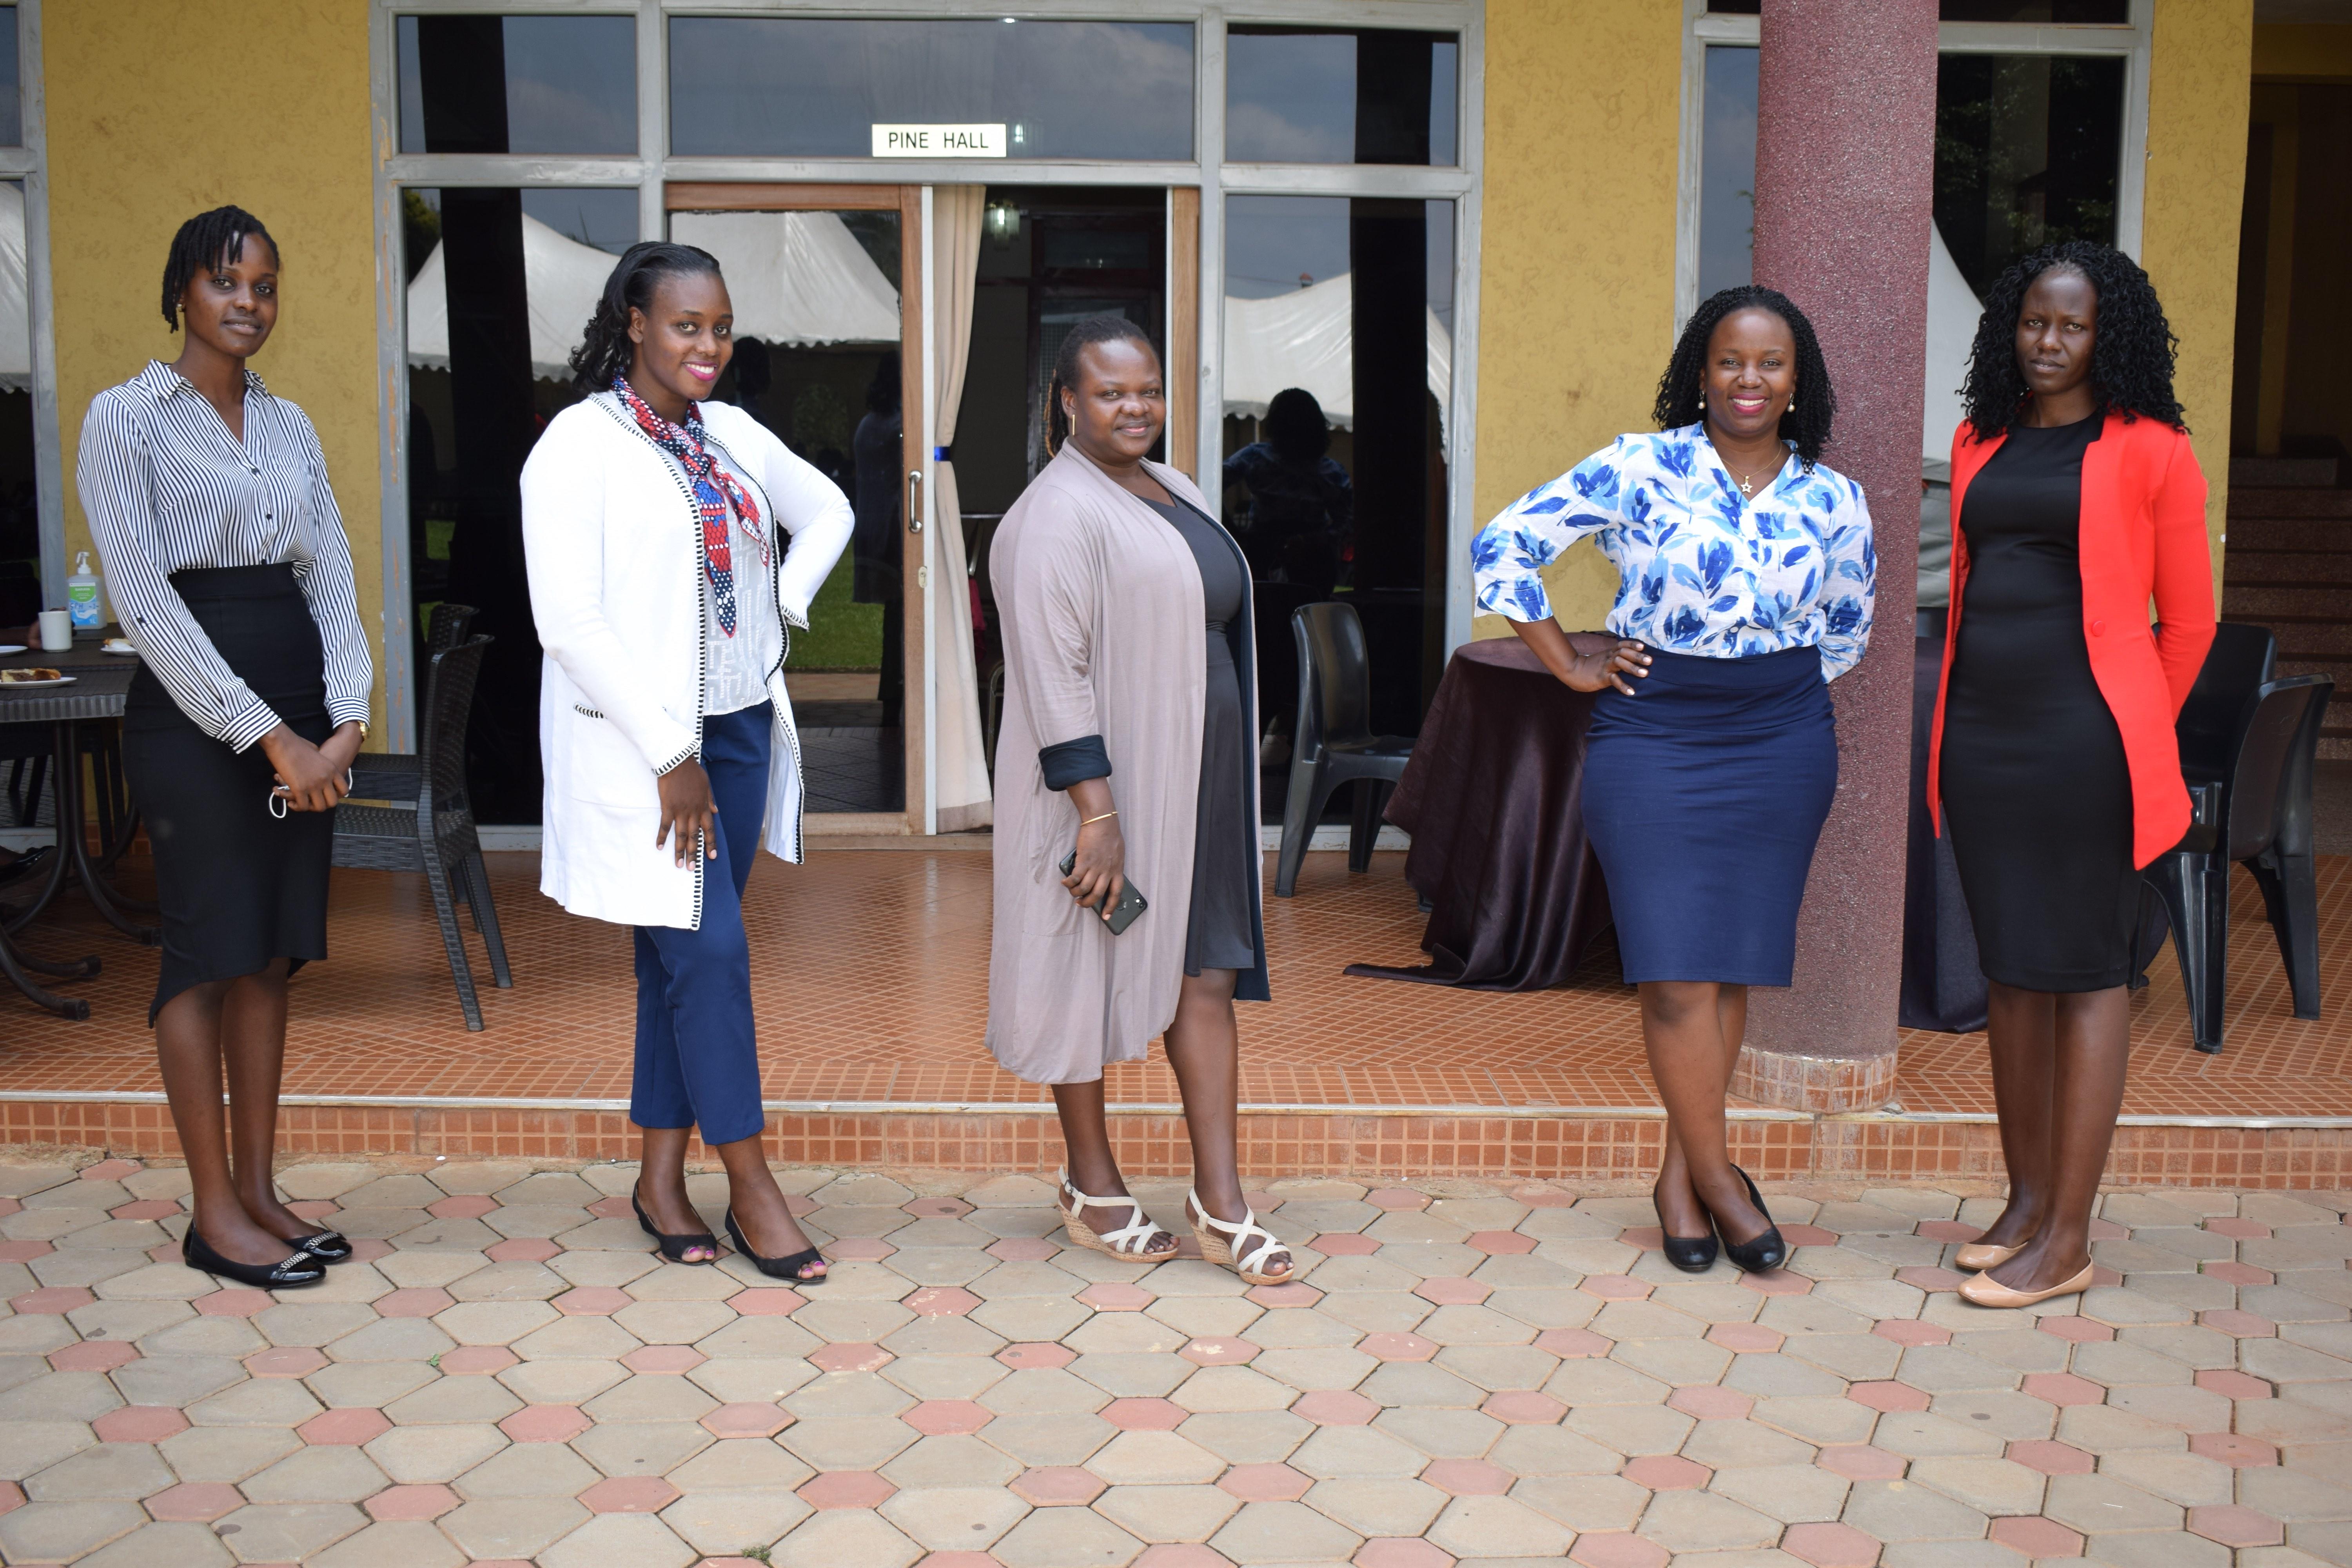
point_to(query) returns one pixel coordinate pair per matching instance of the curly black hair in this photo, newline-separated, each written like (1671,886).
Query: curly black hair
(2131,355)
(205,242)
(604,350)
(1810,412)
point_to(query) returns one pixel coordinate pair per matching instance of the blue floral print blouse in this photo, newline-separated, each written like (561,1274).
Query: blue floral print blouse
(1703,570)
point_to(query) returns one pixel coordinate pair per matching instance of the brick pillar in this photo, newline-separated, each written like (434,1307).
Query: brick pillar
(1844,178)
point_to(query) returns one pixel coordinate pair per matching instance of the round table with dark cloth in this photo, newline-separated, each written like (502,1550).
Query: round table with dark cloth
(1494,800)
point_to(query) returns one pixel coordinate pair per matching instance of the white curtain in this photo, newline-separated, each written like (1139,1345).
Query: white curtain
(964,800)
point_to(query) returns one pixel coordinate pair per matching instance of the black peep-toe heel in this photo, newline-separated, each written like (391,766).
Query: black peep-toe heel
(788,1268)
(294,1272)
(1762,1252)
(674,1247)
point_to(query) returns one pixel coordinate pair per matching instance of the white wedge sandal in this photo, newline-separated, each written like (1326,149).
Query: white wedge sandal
(1243,1245)
(1131,1243)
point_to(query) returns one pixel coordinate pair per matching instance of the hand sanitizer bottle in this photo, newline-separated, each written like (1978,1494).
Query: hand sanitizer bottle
(82,596)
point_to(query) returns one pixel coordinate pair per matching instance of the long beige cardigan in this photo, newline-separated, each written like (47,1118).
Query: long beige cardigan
(1099,603)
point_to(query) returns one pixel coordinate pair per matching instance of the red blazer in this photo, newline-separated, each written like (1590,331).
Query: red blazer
(2143,536)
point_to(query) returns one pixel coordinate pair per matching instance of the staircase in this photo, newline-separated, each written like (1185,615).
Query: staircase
(2288,566)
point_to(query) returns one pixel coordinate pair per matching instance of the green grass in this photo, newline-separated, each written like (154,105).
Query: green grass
(842,633)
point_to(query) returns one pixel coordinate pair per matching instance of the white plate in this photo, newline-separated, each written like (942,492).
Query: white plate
(8,647)
(119,646)
(36,685)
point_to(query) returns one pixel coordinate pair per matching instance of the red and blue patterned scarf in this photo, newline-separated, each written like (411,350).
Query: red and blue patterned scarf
(716,494)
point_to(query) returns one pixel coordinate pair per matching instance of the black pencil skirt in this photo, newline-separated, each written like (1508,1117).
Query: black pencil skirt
(239,885)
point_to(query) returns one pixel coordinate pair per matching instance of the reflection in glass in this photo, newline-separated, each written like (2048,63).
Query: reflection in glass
(2113,13)
(817,362)
(1303,95)
(1726,200)
(11,91)
(20,517)
(501,283)
(816,87)
(518,84)
(1341,308)
(2027,150)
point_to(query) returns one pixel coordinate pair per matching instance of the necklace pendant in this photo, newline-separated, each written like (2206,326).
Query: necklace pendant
(1746,486)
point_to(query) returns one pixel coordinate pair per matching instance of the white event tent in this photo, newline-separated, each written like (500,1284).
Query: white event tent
(1306,339)
(794,277)
(15,331)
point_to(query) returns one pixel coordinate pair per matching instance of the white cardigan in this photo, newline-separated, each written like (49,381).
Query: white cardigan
(614,553)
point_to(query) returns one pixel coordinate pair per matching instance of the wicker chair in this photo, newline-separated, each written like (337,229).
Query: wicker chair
(436,835)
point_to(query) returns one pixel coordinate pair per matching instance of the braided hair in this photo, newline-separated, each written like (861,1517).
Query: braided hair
(1807,421)
(1110,327)
(2131,357)
(604,350)
(206,243)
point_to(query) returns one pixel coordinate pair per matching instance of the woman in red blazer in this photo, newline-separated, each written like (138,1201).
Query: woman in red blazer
(2075,501)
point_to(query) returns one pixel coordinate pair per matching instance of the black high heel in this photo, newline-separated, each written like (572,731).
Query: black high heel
(325,1246)
(1691,1253)
(1762,1252)
(776,1268)
(299,1270)
(674,1247)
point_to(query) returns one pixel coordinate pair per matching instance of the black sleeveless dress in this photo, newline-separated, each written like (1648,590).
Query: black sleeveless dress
(2036,790)
(1220,934)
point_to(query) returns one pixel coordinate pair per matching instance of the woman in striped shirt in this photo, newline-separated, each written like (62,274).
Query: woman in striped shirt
(226,560)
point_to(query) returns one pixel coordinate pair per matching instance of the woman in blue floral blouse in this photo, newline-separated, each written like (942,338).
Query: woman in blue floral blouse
(1746,575)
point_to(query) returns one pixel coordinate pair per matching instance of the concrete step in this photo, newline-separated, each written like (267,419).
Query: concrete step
(2251,473)
(2307,534)
(2253,567)
(2290,503)
(2264,604)
(2311,640)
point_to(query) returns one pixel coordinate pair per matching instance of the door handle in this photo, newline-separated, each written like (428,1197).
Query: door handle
(914,501)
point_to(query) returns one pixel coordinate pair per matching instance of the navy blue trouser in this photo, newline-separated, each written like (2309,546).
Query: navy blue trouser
(697,1060)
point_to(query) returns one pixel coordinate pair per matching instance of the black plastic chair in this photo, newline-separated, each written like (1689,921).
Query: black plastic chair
(1335,744)
(436,835)
(398,776)
(2241,660)
(2258,812)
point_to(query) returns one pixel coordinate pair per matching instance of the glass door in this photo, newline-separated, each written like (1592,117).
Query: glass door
(827,288)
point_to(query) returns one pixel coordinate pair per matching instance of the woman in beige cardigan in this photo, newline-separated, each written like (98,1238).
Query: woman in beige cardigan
(1128,707)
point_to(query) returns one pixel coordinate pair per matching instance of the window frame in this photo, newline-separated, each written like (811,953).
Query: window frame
(2128,40)
(29,162)
(1207,171)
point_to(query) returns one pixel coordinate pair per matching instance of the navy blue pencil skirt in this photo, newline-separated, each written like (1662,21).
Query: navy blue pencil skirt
(1704,797)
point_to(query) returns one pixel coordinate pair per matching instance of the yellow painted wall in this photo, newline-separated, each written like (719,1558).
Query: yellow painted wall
(2310,51)
(2199,83)
(1575,289)
(156,114)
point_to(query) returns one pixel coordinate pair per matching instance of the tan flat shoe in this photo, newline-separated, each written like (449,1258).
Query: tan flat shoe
(1986,1291)
(1980,1256)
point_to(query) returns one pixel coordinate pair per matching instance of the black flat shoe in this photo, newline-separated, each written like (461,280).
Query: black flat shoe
(325,1246)
(1691,1253)
(26,863)
(1763,1252)
(674,1247)
(299,1270)
(776,1268)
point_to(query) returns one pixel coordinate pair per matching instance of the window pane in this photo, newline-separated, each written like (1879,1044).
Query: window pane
(20,515)
(1727,202)
(2028,149)
(12,91)
(1301,95)
(799,87)
(501,287)
(519,84)
(1338,373)
(2115,12)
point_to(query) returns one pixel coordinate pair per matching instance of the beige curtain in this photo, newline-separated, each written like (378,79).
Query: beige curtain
(964,801)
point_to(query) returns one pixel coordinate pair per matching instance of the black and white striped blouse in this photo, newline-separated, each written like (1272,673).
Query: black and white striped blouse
(168,488)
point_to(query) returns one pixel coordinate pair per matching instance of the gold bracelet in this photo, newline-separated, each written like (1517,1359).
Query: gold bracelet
(1090,821)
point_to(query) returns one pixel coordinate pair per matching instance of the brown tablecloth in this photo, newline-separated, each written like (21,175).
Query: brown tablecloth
(1494,800)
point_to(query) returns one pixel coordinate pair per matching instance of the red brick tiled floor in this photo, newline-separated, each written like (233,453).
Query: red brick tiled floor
(870,979)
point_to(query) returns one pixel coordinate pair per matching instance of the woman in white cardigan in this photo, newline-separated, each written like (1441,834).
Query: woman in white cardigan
(670,543)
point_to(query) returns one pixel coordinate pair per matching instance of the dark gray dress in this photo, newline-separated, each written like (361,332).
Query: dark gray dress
(1220,934)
